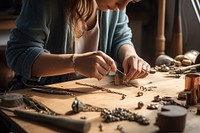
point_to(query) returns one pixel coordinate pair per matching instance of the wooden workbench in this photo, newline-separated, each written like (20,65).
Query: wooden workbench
(62,104)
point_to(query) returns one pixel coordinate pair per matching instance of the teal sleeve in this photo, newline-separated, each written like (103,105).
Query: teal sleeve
(122,34)
(27,40)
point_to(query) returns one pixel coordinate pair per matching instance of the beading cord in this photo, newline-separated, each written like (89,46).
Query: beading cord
(101,88)
(45,89)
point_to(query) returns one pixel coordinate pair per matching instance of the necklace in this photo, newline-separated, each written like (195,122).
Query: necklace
(118,114)
(102,89)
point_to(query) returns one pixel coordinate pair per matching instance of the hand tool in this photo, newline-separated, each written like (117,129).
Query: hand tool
(80,126)
(52,90)
(181,70)
(121,72)
(10,100)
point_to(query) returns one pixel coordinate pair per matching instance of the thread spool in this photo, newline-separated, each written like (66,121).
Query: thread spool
(10,100)
(172,118)
(191,81)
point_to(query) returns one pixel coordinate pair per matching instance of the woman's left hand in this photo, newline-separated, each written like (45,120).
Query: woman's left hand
(135,67)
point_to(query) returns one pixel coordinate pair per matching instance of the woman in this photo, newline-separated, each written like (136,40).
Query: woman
(56,38)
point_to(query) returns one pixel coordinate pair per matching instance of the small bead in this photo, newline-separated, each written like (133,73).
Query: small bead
(101,127)
(140,104)
(152,106)
(139,93)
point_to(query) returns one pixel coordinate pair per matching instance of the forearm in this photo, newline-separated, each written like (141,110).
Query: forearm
(126,50)
(52,64)
(134,66)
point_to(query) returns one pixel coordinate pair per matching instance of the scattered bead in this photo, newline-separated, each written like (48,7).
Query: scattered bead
(119,114)
(139,93)
(143,88)
(164,68)
(152,71)
(83,117)
(140,104)
(123,97)
(157,98)
(182,95)
(27,108)
(167,98)
(41,111)
(101,127)
(152,106)
(149,88)
(120,129)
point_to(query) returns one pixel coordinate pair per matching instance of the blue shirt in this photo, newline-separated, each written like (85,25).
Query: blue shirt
(43,26)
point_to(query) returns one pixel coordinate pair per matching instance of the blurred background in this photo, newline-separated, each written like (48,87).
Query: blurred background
(143,18)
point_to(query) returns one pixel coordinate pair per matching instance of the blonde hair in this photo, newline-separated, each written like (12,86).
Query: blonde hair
(80,11)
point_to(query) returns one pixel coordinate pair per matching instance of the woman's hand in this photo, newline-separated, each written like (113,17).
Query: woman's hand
(135,67)
(94,64)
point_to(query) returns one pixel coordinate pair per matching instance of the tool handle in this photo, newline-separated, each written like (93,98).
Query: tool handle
(79,126)
(181,70)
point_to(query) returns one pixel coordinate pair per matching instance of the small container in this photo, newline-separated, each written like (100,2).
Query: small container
(192,55)
(191,81)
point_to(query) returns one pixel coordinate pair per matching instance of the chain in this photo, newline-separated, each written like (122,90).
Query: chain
(91,108)
(118,114)
(102,89)
(78,106)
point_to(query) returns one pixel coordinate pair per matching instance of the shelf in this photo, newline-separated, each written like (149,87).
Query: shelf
(7,22)
(2,48)
(138,15)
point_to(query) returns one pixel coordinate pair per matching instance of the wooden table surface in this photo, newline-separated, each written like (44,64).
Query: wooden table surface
(62,104)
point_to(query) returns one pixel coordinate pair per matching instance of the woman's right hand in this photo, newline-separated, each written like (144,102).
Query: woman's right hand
(94,64)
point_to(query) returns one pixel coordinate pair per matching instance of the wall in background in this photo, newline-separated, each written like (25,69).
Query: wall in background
(143,22)
(4,35)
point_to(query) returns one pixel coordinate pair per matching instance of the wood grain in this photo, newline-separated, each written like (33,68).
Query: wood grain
(62,104)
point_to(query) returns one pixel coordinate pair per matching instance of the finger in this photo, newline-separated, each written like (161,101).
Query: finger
(137,70)
(131,73)
(144,75)
(102,65)
(148,67)
(108,60)
(96,75)
(103,71)
(99,76)
(145,70)
(131,70)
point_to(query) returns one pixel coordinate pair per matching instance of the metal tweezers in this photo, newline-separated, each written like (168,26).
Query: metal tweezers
(52,90)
